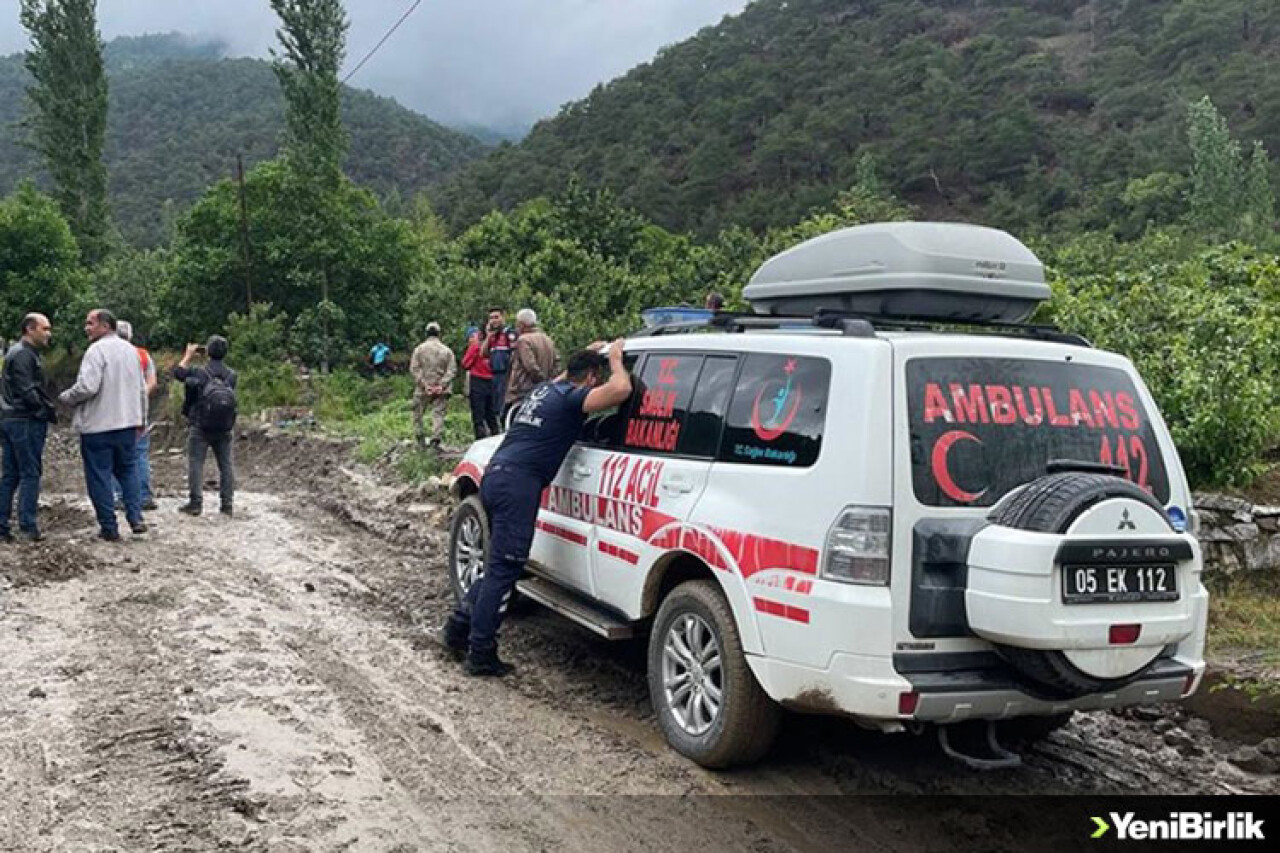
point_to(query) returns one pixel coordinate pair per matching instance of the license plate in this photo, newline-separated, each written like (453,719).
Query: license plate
(1098,584)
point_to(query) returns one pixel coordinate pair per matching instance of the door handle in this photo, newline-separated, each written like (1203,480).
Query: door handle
(580,472)
(676,486)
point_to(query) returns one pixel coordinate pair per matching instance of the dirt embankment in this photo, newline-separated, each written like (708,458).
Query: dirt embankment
(262,683)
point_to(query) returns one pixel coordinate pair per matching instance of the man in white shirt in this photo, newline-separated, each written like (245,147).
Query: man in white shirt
(109,399)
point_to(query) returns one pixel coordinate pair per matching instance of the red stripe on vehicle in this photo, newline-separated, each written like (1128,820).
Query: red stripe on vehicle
(751,552)
(620,553)
(563,533)
(468,469)
(785,611)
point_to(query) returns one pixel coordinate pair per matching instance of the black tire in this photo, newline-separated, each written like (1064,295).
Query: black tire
(1050,505)
(748,720)
(470,511)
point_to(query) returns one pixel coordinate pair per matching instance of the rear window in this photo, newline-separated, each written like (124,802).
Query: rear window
(982,426)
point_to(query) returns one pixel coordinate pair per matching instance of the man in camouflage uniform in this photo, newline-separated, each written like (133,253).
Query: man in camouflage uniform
(433,366)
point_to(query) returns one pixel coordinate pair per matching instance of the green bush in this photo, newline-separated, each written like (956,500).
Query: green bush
(1205,335)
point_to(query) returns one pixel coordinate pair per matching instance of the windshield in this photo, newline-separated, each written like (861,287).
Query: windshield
(982,426)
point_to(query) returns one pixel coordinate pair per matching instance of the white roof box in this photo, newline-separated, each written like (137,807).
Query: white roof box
(926,270)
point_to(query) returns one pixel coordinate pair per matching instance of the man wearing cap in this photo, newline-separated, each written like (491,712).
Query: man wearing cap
(433,367)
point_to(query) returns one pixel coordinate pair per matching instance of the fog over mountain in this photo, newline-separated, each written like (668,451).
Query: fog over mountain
(477,63)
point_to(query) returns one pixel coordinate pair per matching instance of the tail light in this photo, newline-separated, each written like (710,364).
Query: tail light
(858,546)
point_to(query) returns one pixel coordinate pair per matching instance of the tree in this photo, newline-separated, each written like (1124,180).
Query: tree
(1215,170)
(1258,197)
(39,262)
(1229,198)
(313,44)
(69,119)
(308,246)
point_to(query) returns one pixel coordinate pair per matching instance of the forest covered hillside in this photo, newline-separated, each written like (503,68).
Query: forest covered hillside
(1033,114)
(179,114)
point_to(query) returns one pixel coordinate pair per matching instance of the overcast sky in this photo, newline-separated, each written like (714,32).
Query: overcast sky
(489,62)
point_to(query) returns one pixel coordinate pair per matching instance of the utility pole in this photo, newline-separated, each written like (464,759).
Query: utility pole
(244,235)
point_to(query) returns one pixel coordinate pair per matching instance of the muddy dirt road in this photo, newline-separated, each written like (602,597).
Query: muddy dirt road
(262,683)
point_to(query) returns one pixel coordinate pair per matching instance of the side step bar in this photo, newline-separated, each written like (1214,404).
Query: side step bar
(590,616)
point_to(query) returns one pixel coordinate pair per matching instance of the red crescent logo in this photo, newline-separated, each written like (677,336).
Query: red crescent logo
(942,475)
(770,434)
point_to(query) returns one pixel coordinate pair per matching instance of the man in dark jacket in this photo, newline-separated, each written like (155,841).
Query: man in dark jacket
(202,384)
(542,433)
(26,410)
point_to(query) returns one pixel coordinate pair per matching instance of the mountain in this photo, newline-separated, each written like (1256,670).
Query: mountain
(180,113)
(1029,113)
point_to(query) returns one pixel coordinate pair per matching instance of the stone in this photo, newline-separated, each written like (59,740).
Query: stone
(1198,727)
(1243,532)
(1163,726)
(1146,713)
(1211,533)
(1222,503)
(1179,740)
(1270,746)
(1262,555)
(1251,759)
(37,692)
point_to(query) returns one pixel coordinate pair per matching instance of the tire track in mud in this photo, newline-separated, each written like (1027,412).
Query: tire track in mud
(262,684)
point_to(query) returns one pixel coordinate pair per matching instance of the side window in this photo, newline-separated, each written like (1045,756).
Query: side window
(661,403)
(607,428)
(778,412)
(701,435)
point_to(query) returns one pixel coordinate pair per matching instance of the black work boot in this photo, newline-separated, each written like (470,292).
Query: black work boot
(453,636)
(486,665)
(190,509)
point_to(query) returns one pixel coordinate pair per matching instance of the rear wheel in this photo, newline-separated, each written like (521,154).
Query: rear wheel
(707,701)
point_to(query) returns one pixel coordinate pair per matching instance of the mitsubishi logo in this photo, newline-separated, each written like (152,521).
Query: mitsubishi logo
(1126,523)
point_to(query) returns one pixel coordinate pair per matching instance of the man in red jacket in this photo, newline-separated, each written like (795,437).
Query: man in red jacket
(484,412)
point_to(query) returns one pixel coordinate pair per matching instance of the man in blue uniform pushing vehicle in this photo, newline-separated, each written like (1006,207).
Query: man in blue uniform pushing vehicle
(543,431)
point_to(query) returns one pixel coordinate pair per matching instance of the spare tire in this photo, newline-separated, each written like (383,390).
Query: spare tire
(1050,505)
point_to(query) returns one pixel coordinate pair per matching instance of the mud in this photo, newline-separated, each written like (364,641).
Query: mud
(264,683)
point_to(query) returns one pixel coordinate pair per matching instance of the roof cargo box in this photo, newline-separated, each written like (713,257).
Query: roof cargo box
(922,270)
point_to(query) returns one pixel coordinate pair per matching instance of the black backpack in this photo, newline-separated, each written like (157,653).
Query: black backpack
(217,405)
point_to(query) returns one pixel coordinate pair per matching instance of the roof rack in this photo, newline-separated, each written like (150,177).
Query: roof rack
(857,325)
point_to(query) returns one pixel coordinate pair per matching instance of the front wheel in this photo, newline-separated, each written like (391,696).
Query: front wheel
(468,545)
(707,701)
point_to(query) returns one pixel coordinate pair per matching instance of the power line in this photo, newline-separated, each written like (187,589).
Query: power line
(382,41)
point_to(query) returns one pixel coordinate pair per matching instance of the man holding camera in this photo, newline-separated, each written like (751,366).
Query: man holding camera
(209,405)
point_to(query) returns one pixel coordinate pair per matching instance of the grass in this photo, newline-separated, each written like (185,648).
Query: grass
(1244,616)
(378,413)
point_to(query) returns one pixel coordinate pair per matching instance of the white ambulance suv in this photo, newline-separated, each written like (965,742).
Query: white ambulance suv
(881,495)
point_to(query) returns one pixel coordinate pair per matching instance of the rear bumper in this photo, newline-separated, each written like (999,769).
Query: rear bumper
(984,694)
(868,688)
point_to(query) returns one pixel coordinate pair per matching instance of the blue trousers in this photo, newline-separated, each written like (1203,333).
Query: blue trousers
(144,471)
(110,455)
(499,398)
(511,497)
(23,465)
